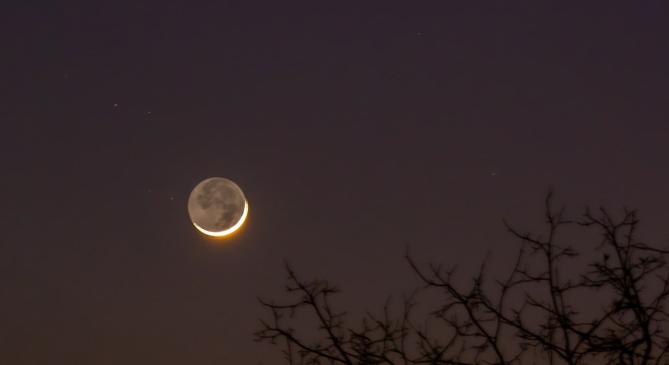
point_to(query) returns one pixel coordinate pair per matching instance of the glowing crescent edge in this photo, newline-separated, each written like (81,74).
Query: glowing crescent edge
(229,230)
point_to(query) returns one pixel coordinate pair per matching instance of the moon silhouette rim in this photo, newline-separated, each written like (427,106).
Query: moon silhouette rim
(227,231)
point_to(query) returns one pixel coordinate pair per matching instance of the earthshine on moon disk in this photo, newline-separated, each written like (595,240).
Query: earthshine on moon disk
(217,207)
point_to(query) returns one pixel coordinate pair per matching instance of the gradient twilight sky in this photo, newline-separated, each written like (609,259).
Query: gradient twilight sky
(355,129)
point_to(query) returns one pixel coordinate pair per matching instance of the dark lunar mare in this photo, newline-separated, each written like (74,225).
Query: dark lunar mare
(224,196)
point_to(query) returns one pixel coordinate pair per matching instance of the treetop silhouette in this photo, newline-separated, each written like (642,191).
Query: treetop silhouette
(536,314)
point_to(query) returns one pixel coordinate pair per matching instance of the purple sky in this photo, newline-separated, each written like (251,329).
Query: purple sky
(354,129)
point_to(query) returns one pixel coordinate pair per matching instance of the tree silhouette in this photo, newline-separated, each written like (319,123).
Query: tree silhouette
(538,313)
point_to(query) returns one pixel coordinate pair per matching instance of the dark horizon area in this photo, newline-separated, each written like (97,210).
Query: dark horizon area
(355,130)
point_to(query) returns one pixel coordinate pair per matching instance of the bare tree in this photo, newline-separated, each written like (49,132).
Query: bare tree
(534,315)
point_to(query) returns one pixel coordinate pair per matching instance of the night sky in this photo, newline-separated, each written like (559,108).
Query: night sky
(355,130)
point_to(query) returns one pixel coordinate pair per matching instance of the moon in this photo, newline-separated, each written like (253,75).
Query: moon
(217,207)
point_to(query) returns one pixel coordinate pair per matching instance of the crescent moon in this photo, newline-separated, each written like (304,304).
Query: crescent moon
(229,230)
(217,207)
